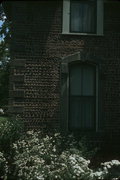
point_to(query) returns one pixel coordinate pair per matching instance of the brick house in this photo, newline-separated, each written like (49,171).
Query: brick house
(65,64)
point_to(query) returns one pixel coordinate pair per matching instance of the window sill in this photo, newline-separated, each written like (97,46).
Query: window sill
(82,34)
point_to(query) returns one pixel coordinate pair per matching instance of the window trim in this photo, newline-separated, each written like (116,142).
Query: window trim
(66,19)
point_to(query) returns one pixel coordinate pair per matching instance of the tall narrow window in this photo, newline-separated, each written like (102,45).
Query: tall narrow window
(82,97)
(83,16)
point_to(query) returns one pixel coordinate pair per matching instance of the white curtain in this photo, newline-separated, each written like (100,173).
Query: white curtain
(82,16)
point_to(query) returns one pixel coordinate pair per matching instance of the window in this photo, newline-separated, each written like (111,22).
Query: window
(82,97)
(81,88)
(83,17)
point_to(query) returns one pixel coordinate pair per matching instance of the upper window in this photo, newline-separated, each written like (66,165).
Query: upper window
(83,17)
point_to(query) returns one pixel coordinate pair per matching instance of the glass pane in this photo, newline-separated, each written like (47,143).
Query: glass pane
(88,113)
(75,113)
(76,17)
(88,86)
(83,16)
(75,80)
(82,113)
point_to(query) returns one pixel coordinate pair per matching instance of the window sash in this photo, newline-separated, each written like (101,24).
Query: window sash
(82,113)
(82,80)
(83,16)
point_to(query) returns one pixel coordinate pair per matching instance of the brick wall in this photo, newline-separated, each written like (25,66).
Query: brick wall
(37,48)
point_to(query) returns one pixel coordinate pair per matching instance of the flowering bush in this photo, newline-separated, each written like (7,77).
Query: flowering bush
(111,169)
(42,157)
(71,166)
(32,154)
(49,157)
(108,171)
(3,167)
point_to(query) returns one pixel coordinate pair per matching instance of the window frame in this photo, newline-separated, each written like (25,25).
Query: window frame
(66,19)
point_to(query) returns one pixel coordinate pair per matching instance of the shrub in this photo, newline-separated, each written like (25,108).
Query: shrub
(3,167)
(111,169)
(108,171)
(71,166)
(10,131)
(48,157)
(44,157)
(4,85)
(41,157)
(33,155)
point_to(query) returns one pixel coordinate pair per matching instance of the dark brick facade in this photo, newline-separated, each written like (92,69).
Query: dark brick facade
(37,49)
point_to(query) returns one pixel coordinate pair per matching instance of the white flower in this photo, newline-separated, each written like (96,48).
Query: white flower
(1,111)
(116,162)
(57,134)
(40,177)
(30,132)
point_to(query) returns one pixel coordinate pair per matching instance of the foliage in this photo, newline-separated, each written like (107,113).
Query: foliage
(111,169)
(4,82)
(3,167)
(41,157)
(10,131)
(5,36)
(71,166)
(44,157)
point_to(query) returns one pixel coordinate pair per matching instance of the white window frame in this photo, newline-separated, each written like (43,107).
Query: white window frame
(66,19)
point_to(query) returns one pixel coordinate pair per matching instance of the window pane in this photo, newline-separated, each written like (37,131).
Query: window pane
(83,16)
(82,112)
(75,80)
(76,15)
(82,80)
(88,113)
(75,113)
(88,86)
